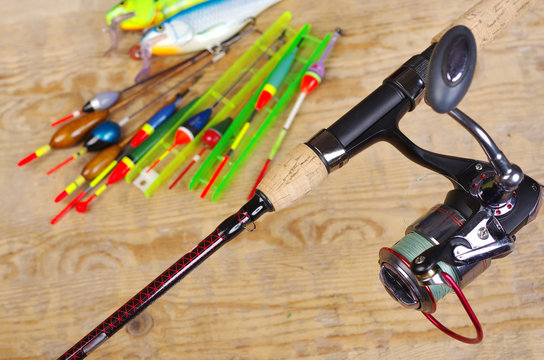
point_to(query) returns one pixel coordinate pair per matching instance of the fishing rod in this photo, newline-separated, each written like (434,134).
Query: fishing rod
(106,100)
(185,135)
(267,93)
(311,79)
(310,163)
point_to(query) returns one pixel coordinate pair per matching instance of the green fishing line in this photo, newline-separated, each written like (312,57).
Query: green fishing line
(413,245)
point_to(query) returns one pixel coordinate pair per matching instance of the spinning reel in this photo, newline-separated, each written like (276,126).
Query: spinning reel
(455,241)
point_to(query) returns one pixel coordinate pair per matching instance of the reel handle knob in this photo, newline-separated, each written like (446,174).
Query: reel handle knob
(449,76)
(451,69)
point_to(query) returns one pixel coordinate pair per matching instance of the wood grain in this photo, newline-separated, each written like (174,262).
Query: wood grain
(305,283)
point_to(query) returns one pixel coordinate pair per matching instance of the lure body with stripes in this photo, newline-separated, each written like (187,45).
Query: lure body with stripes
(200,27)
(203,26)
(133,15)
(146,13)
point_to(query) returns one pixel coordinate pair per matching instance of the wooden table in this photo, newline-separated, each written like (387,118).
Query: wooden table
(305,284)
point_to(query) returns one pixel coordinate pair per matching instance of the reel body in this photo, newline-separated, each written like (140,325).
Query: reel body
(434,228)
(455,241)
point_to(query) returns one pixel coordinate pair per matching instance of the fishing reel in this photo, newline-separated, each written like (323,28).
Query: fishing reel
(455,241)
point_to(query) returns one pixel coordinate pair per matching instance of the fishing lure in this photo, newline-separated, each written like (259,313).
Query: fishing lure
(131,15)
(201,27)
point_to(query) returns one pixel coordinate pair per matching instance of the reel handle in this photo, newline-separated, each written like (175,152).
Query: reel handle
(302,169)
(449,76)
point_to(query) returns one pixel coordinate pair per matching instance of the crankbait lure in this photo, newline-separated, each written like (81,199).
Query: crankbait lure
(130,15)
(202,27)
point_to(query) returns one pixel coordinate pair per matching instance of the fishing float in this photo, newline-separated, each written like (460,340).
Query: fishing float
(69,134)
(108,133)
(72,133)
(108,99)
(183,135)
(311,79)
(132,141)
(94,167)
(210,138)
(142,148)
(191,126)
(99,138)
(267,93)
(148,128)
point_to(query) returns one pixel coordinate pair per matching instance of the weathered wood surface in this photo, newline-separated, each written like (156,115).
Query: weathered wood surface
(305,284)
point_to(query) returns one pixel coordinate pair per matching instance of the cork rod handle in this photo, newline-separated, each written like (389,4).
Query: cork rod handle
(293,177)
(488,18)
(302,169)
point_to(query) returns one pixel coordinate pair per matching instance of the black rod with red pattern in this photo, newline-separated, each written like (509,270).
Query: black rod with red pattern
(227,230)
